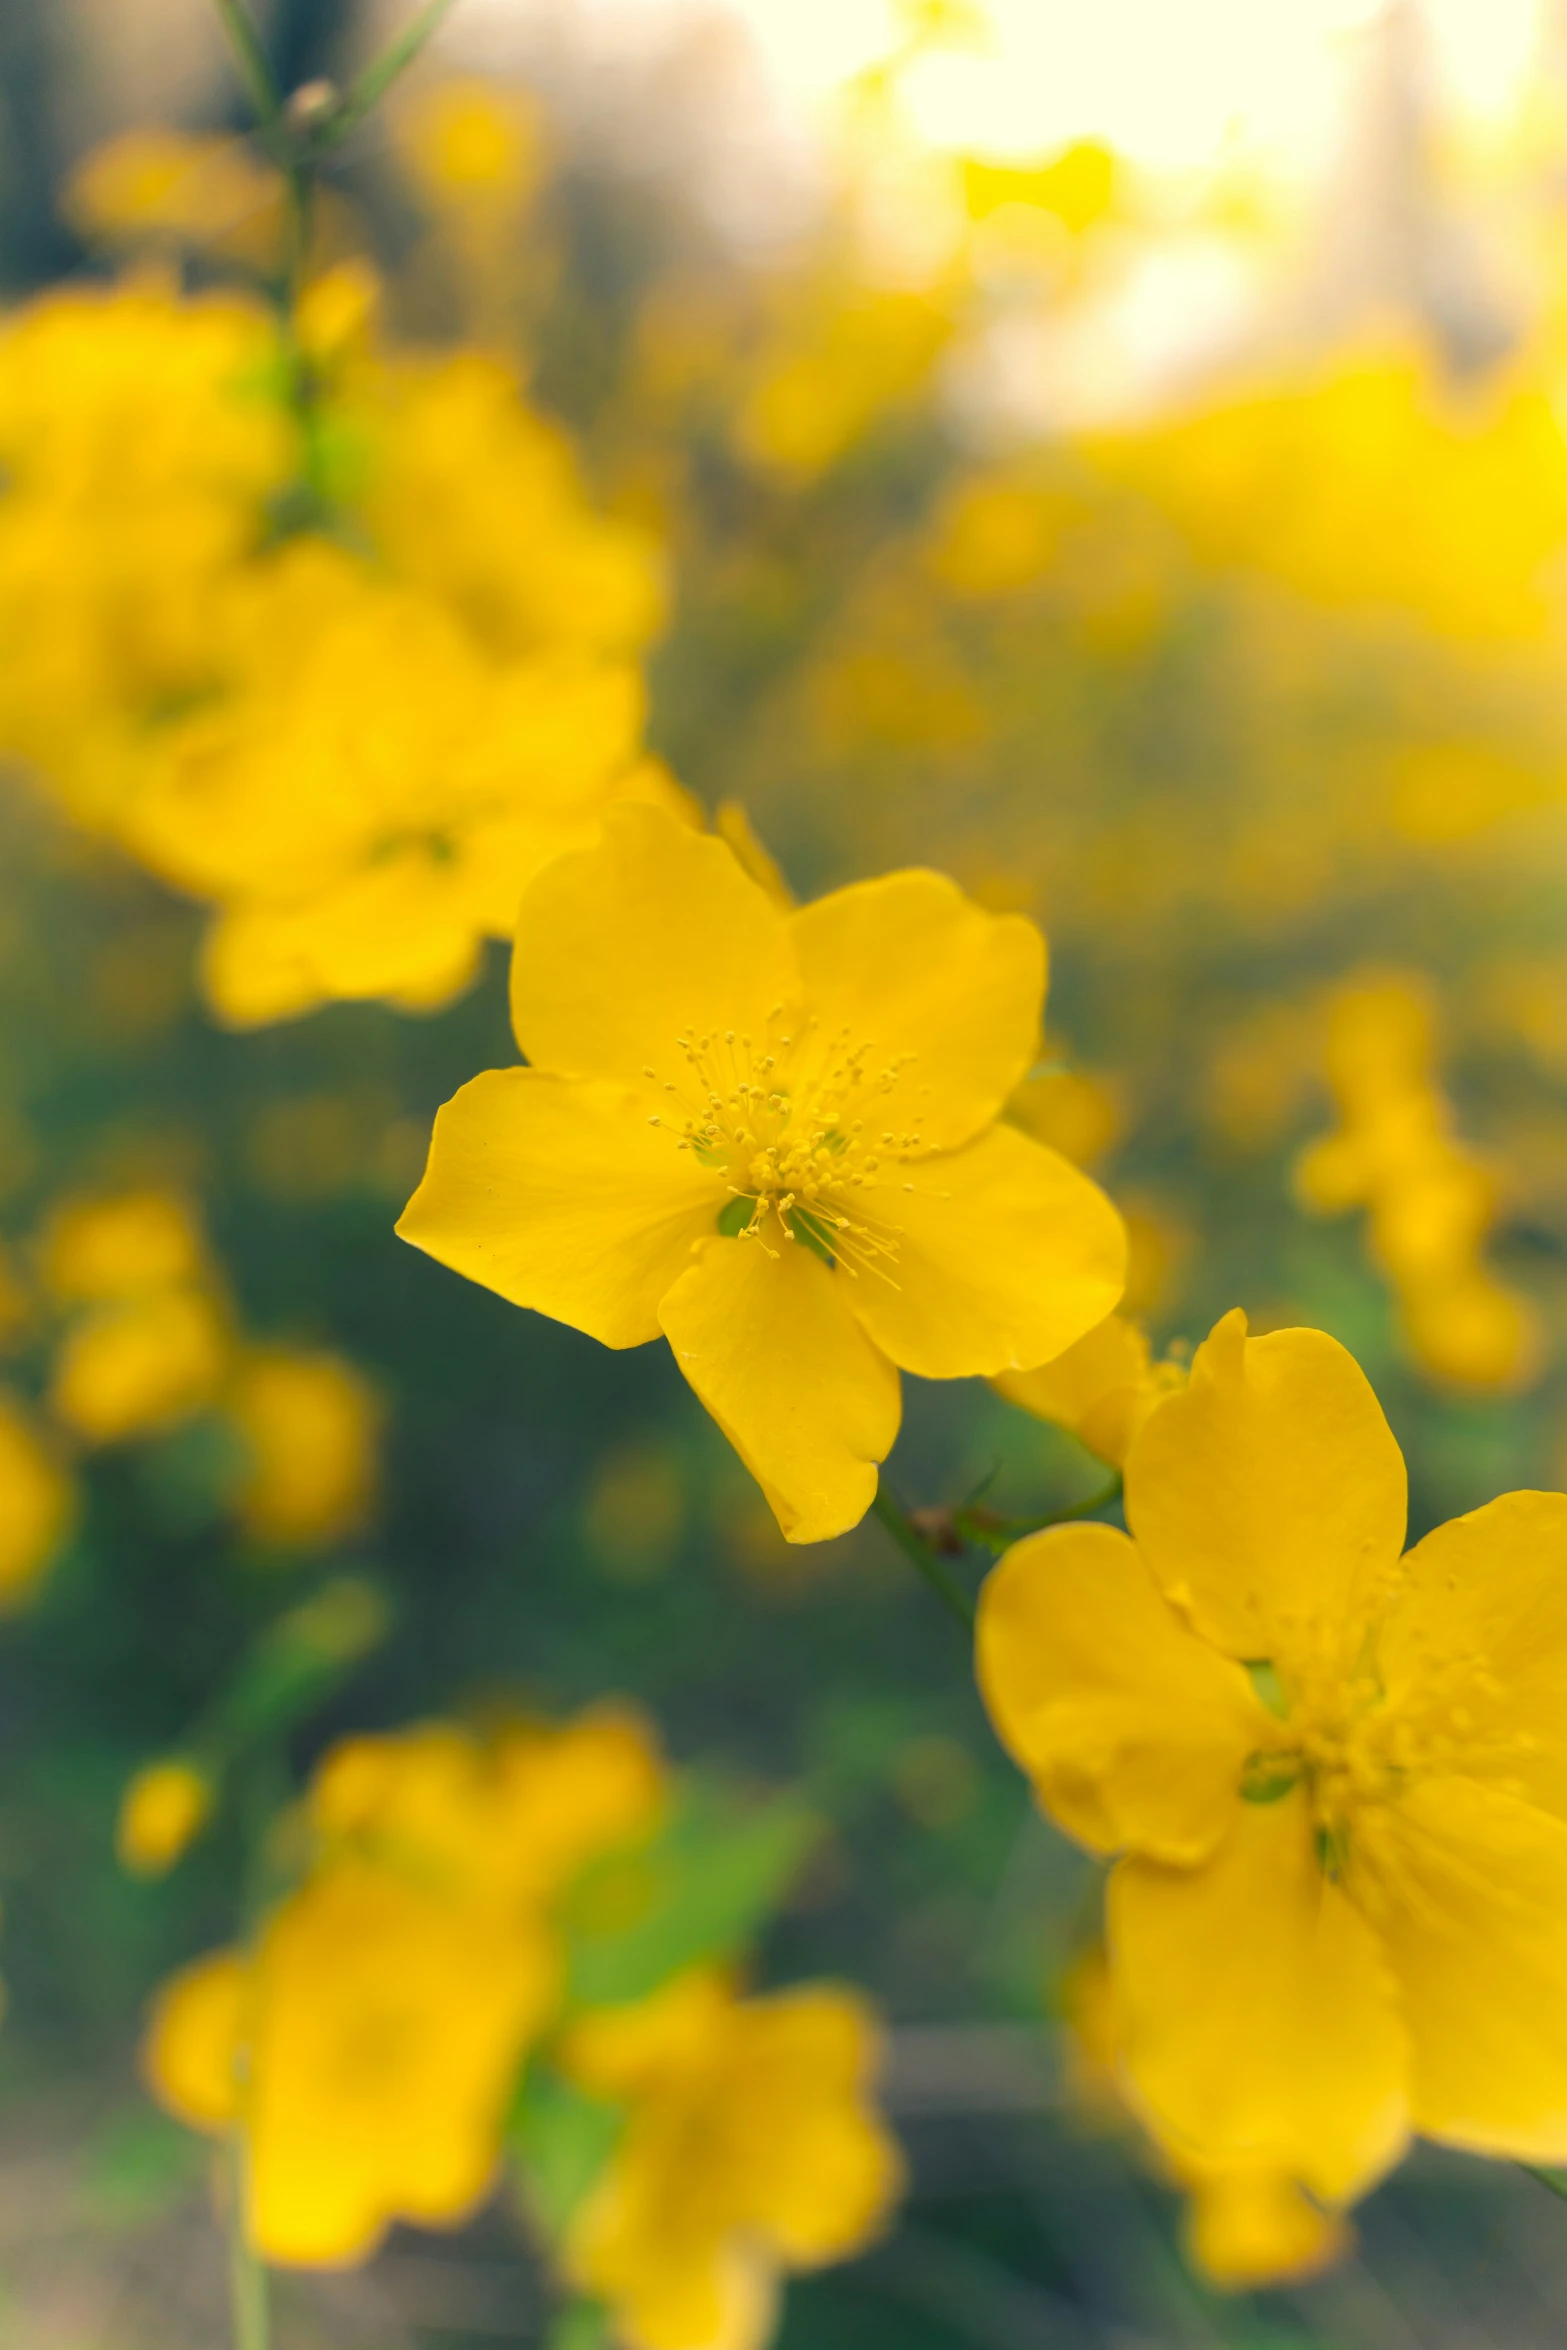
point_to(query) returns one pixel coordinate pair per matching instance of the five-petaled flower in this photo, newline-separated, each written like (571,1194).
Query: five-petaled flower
(772,1136)
(1337,1776)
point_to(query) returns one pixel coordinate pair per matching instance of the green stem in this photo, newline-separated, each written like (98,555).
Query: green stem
(248,2296)
(254,65)
(998,1534)
(1550,2180)
(923,1557)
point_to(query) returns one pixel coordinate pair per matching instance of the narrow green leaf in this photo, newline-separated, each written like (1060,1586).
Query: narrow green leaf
(560,2140)
(378,77)
(696,1894)
(250,56)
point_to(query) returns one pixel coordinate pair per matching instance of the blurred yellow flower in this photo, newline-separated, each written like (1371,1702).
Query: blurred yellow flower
(162,186)
(472,497)
(37,1505)
(127,1369)
(162,1812)
(469,143)
(369,800)
(1336,1776)
(506,1819)
(310,1425)
(751,2148)
(120,1244)
(141,439)
(1430,1202)
(367,2048)
(1377,486)
(1247,2222)
(773,1137)
(838,359)
(1081,185)
(1101,1390)
(377,2031)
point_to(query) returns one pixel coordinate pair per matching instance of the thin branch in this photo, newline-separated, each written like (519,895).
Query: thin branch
(251,57)
(378,77)
(998,1534)
(922,1556)
(248,2296)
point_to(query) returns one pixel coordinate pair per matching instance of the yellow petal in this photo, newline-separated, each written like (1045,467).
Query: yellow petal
(1257,2014)
(309,1424)
(144,1364)
(193,2044)
(37,1505)
(389,2025)
(1473,1651)
(1248,2224)
(809,2155)
(1004,1254)
(162,1811)
(1269,1492)
(1472,1897)
(910,966)
(253,970)
(1102,1389)
(625,947)
(808,1403)
(1133,1731)
(403,926)
(561,1197)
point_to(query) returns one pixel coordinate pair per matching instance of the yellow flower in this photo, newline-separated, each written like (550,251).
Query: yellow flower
(163,1810)
(1430,1202)
(1101,1390)
(468,143)
(310,1425)
(1247,2222)
(37,1505)
(509,1819)
(472,498)
(773,1137)
(140,440)
(150,186)
(367,2052)
(120,1245)
(141,1364)
(840,358)
(369,800)
(750,2148)
(1337,1776)
(368,2047)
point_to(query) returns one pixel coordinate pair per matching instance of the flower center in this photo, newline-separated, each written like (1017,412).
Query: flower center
(1354,1751)
(800,1127)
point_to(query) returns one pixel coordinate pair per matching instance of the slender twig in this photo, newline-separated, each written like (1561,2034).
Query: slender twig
(922,1556)
(378,77)
(248,2295)
(254,65)
(998,1534)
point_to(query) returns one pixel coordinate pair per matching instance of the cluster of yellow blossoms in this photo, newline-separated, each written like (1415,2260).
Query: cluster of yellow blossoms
(135,1337)
(363,2053)
(1429,1202)
(327,633)
(330,639)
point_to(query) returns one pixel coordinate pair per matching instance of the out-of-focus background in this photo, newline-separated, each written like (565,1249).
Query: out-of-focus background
(1117,454)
